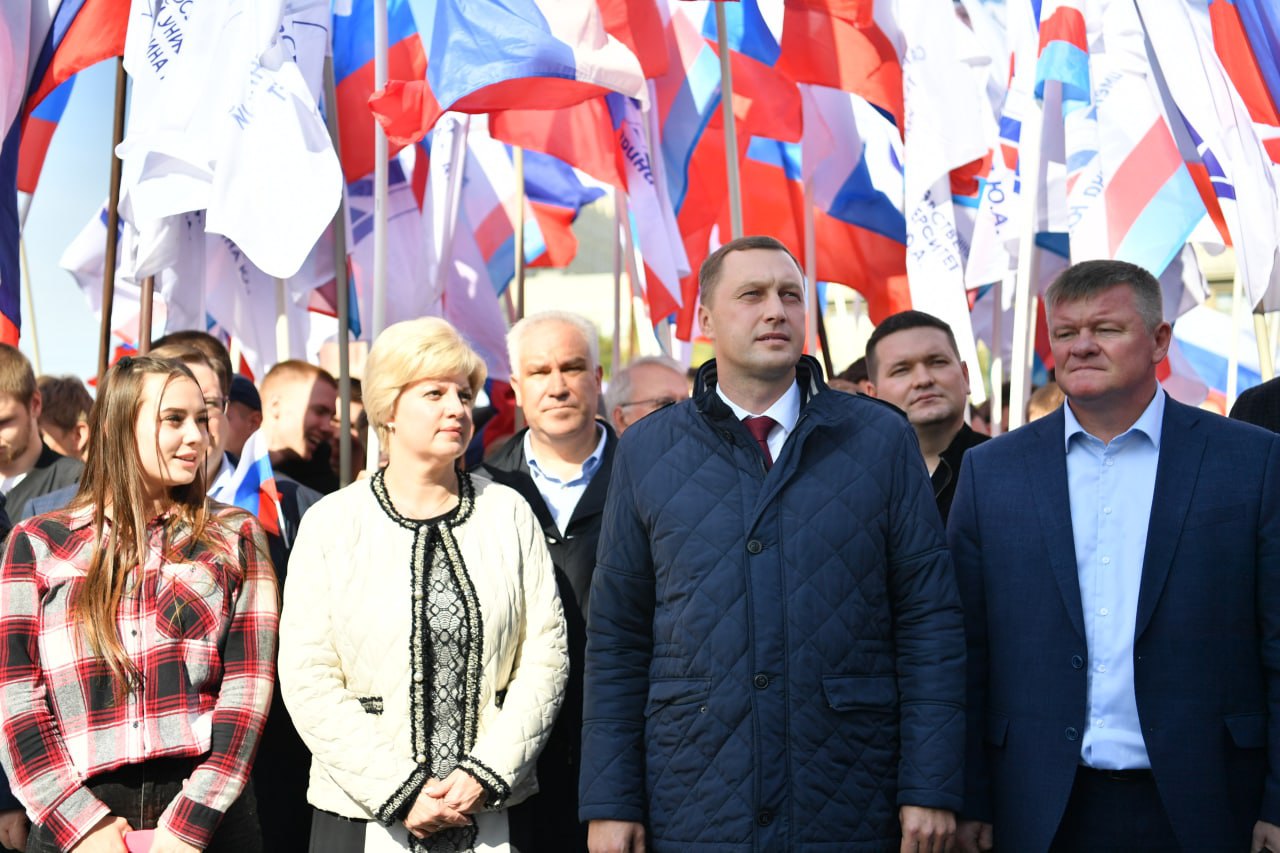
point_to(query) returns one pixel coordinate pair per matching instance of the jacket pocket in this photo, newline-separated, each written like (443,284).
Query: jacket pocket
(1248,731)
(1215,515)
(664,692)
(997,729)
(861,692)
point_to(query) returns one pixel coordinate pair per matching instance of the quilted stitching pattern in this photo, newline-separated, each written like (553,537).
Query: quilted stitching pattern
(833,585)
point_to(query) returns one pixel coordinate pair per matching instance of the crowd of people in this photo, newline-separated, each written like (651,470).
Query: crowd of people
(763,613)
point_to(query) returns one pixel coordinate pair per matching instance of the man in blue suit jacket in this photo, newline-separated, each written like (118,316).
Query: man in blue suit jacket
(1119,563)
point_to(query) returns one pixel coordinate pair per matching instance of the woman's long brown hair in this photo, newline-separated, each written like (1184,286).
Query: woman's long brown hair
(113,484)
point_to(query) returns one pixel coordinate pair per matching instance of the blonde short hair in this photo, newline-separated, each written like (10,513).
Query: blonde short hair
(406,352)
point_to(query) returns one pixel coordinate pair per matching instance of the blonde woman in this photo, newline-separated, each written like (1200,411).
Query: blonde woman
(139,634)
(423,654)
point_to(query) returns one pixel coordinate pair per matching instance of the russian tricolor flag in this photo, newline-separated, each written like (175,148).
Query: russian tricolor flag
(1246,35)
(253,485)
(488,55)
(1064,52)
(38,133)
(556,196)
(353,75)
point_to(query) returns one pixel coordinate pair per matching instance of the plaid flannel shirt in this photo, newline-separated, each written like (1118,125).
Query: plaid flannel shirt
(201,630)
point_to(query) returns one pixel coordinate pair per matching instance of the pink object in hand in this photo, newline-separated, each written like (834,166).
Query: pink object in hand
(139,841)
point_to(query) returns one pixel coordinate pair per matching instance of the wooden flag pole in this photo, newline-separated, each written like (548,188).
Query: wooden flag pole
(730,126)
(619,220)
(144,316)
(342,295)
(113,223)
(518,155)
(380,170)
(1024,298)
(811,273)
(1266,365)
(1237,323)
(28,306)
(283,344)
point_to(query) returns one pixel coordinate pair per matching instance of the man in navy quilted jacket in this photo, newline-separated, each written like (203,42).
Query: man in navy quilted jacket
(775,647)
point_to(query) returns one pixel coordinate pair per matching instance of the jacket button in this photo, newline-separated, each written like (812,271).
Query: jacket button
(765,817)
(1077,662)
(1071,733)
(754,546)
(761,681)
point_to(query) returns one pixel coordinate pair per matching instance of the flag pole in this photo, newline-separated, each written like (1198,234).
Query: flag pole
(144,317)
(1266,364)
(29,307)
(380,71)
(1024,296)
(1233,354)
(283,347)
(997,351)
(730,126)
(453,197)
(619,217)
(113,222)
(519,164)
(342,294)
(811,271)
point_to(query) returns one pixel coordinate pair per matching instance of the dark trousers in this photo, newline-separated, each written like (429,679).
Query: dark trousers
(1114,811)
(140,793)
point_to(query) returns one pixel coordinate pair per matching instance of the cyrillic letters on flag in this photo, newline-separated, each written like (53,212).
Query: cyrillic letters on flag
(225,118)
(943,105)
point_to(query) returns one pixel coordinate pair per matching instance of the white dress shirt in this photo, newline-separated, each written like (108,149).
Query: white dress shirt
(562,496)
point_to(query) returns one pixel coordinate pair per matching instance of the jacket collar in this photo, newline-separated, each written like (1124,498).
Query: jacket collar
(808,377)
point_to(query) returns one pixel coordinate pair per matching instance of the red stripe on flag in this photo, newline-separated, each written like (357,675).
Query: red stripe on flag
(8,331)
(556,225)
(581,135)
(1065,24)
(837,43)
(1200,176)
(96,33)
(31,153)
(638,25)
(1148,167)
(494,230)
(1236,53)
(406,110)
(405,61)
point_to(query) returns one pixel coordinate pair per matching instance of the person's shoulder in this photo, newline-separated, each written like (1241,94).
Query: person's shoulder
(1182,416)
(1267,392)
(510,455)
(302,495)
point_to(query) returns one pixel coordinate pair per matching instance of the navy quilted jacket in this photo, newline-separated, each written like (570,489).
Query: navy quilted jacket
(774,661)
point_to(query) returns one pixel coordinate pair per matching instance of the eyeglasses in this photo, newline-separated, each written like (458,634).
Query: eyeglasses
(656,402)
(216,403)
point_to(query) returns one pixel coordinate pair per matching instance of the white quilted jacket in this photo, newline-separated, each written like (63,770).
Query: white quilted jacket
(345,632)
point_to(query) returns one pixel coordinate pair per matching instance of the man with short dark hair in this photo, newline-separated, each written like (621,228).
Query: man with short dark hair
(1119,562)
(64,414)
(29,468)
(775,645)
(914,363)
(299,401)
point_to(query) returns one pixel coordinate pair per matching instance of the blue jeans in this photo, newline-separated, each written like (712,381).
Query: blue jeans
(140,793)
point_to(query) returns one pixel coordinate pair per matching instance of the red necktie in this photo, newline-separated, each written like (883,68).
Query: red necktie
(759,428)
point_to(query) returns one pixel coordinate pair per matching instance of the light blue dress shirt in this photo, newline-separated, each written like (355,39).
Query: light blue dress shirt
(785,410)
(1111,488)
(562,496)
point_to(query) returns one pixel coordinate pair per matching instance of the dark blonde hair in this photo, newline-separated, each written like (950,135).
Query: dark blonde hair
(113,481)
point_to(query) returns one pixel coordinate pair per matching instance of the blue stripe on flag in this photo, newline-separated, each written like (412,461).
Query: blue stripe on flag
(1068,64)
(1163,226)
(859,202)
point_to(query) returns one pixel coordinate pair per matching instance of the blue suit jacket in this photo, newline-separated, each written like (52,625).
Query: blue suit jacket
(1207,641)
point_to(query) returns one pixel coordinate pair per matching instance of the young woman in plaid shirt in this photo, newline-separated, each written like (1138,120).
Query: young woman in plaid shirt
(137,638)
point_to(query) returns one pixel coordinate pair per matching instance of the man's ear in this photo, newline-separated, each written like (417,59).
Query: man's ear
(871,389)
(255,418)
(515,386)
(964,369)
(37,405)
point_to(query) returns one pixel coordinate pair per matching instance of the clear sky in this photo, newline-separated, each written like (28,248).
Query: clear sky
(72,187)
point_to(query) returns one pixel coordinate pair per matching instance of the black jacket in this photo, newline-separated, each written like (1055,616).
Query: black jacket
(948,471)
(549,821)
(1260,405)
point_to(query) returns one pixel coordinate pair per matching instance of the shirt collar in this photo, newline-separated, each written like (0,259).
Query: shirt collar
(1149,423)
(785,410)
(589,465)
(225,472)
